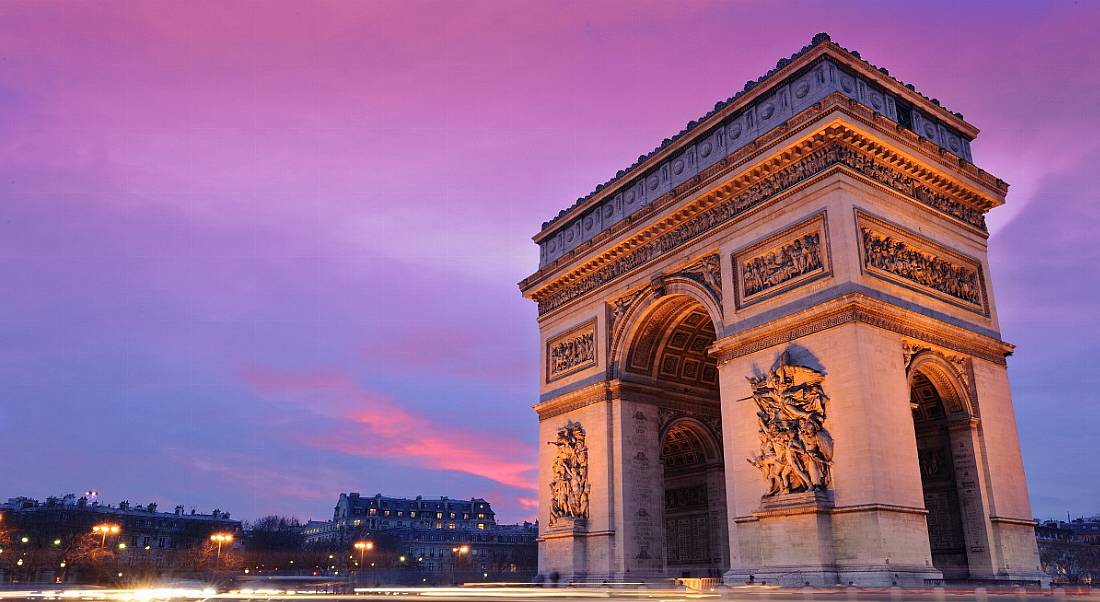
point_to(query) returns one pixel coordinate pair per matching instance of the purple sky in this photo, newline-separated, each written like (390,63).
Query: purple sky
(254,254)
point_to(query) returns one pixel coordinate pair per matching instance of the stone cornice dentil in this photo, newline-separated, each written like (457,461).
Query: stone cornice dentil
(900,162)
(806,77)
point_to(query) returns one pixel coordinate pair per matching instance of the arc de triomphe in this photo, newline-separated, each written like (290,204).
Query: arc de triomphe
(771,353)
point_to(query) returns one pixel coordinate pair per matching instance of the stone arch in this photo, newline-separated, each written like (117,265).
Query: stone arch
(709,442)
(645,325)
(949,385)
(628,313)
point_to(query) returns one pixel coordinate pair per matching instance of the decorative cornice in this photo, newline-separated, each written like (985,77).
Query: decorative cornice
(857,307)
(835,147)
(574,400)
(811,509)
(610,390)
(812,72)
(1005,520)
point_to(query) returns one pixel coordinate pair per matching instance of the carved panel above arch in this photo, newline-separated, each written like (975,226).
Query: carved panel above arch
(897,255)
(782,261)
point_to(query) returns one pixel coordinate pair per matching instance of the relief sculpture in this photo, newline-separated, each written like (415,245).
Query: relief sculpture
(571,352)
(733,206)
(569,488)
(796,451)
(798,258)
(900,258)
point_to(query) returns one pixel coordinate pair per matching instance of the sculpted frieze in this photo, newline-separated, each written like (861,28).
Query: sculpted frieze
(571,352)
(796,450)
(783,261)
(569,489)
(906,258)
(774,183)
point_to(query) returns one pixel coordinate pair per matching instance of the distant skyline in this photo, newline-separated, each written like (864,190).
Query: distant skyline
(259,254)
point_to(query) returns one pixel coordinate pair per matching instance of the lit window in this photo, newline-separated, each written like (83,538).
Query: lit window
(413,514)
(400,513)
(450,525)
(452,515)
(481,515)
(357,522)
(373,511)
(439,515)
(386,513)
(438,525)
(481,525)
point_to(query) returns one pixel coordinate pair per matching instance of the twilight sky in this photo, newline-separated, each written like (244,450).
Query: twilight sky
(254,254)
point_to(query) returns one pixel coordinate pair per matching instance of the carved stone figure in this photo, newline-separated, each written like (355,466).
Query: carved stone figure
(796,451)
(569,488)
(620,307)
(792,260)
(897,257)
(572,352)
(709,270)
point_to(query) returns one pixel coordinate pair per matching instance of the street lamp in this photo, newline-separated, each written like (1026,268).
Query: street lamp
(221,538)
(105,529)
(459,552)
(363,546)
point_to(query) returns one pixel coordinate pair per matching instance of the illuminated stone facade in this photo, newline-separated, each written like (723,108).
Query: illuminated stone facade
(777,336)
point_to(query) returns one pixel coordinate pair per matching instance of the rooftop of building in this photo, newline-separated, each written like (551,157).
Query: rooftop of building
(125,508)
(357,497)
(773,77)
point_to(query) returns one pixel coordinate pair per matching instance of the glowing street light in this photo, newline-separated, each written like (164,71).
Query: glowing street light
(221,538)
(105,529)
(459,552)
(363,546)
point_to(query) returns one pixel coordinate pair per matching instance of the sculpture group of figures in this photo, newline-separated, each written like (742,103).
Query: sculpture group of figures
(572,352)
(796,451)
(569,488)
(896,257)
(789,261)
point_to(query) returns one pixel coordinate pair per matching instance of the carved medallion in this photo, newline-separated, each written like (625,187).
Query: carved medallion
(572,351)
(796,451)
(569,488)
(797,255)
(895,254)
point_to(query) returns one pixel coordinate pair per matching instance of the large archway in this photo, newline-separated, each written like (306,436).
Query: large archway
(694,486)
(667,360)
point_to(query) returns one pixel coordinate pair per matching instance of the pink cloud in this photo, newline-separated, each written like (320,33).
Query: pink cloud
(372,425)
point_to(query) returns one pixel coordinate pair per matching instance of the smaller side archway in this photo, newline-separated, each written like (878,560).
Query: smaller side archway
(948,451)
